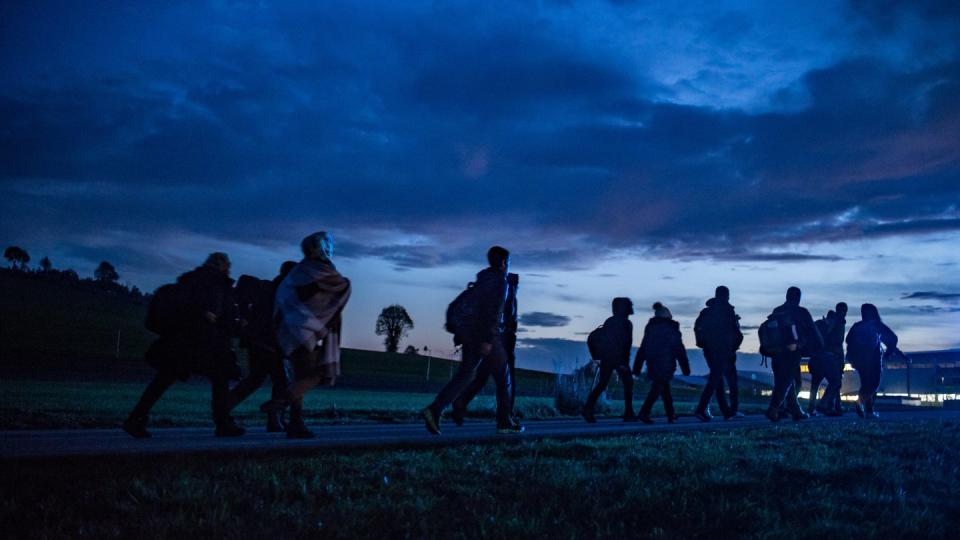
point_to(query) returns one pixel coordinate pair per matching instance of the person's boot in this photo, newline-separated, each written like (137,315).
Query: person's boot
(228,428)
(136,427)
(645,417)
(702,416)
(629,416)
(672,417)
(275,423)
(509,428)
(297,429)
(430,420)
(587,415)
(859,409)
(457,413)
(773,415)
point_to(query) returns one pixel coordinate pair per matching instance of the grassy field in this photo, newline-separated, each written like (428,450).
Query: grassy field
(861,480)
(26,404)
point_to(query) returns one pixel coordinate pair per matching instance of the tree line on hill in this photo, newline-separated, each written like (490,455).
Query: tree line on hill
(105,277)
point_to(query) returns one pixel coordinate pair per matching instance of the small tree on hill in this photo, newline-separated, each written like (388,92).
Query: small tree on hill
(45,264)
(17,256)
(106,273)
(393,323)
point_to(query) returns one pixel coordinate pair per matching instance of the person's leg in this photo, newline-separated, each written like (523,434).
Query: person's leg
(733,383)
(816,377)
(497,361)
(161,381)
(249,384)
(626,377)
(652,396)
(461,378)
(480,377)
(790,400)
(710,387)
(510,346)
(667,401)
(782,381)
(606,371)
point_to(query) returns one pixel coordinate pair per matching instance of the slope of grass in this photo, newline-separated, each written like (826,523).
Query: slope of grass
(859,480)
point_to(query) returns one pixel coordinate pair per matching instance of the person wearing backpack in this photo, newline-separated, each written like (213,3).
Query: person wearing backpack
(797,337)
(509,337)
(828,365)
(256,299)
(661,348)
(613,349)
(479,330)
(864,354)
(717,330)
(308,318)
(202,344)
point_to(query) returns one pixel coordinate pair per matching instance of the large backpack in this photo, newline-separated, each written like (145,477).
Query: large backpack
(776,335)
(600,345)
(168,309)
(462,311)
(707,327)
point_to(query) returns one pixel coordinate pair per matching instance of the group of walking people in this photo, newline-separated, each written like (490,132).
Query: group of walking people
(717,332)
(295,320)
(297,316)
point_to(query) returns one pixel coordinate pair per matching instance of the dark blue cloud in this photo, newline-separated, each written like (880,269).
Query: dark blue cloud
(544,319)
(463,125)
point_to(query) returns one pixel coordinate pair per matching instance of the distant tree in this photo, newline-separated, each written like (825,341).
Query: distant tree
(106,273)
(17,257)
(45,264)
(393,323)
(411,350)
(70,275)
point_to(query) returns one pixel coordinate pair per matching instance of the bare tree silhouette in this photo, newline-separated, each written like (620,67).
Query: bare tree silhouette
(393,322)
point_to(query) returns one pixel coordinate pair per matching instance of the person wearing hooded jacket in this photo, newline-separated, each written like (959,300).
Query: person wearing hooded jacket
(717,330)
(618,330)
(864,354)
(482,341)
(806,342)
(203,346)
(829,364)
(661,349)
(509,337)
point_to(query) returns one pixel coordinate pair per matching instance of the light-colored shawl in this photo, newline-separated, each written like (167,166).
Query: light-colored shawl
(305,323)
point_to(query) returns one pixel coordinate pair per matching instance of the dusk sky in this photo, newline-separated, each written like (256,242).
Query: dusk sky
(617,148)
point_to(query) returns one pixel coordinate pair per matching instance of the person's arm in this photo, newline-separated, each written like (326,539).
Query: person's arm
(680,353)
(491,296)
(888,338)
(626,342)
(735,328)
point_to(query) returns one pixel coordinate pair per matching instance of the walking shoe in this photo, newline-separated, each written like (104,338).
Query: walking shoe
(136,428)
(859,409)
(645,418)
(799,416)
(589,417)
(702,416)
(510,428)
(735,416)
(296,429)
(457,414)
(275,422)
(630,417)
(773,415)
(430,420)
(672,418)
(275,405)
(229,428)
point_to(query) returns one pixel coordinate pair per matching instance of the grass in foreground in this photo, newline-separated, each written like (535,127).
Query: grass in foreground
(59,404)
(863,480)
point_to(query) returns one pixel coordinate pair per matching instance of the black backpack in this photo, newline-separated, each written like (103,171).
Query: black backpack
(777,334)
(600,344)
(462,311)
(168,309)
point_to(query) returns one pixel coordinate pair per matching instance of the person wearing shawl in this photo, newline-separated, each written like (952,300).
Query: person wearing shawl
(863,353)
(307,314)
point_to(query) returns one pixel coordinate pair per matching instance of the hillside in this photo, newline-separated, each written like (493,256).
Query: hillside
(52,329)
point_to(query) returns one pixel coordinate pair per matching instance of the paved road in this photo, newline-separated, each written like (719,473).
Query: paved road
(86,442)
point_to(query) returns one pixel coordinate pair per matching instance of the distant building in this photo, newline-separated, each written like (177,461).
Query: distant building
(931,377)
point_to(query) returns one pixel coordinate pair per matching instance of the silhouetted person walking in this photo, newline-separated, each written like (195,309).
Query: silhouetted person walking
(200,344)
(661,348)
(256,299)
(801,336)
(864,354)
(717,330)
(308,314)
(509,337)
(480,336)
(617,339)
(829,364)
